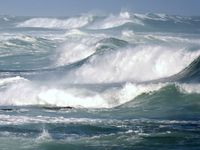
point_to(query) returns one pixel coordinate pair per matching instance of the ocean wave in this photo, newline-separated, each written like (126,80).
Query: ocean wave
(169,102)
(113,21)
(71,23)
(109,21)
(17,93)
(161,17)
(11,80)
(118,53)
(140,63)
(18,89)
(80,48)
(77,47)
(15,90)
(22,41)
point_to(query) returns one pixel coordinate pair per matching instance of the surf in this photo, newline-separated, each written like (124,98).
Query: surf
(96,60)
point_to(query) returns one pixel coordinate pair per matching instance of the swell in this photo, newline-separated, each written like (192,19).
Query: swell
(65,59)
(170,102)
(93,66)
(109,49)
(14,91)
(139,94)
(123,20)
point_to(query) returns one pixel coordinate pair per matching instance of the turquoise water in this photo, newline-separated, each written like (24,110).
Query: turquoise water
(116,81)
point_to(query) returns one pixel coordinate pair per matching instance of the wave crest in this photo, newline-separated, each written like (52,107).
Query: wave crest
(70,23)
(142,63)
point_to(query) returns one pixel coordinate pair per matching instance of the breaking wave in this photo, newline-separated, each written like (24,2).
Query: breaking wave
(113,21)
(140,63)
(17,90)
(97,61)
(70,23)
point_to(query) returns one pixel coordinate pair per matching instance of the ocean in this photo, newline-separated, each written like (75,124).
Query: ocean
(100,81)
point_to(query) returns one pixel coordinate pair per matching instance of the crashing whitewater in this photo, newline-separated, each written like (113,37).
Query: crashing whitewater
(92,61)
(100,81)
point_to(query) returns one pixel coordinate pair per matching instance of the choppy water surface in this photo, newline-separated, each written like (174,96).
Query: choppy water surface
(116,81)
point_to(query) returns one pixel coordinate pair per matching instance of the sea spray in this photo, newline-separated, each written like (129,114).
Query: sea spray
(108,81)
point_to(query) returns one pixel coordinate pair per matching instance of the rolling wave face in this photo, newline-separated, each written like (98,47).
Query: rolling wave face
(174,101)
(97,61)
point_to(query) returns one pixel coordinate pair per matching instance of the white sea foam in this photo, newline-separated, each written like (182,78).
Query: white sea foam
(110,98)
(173,39)
(157,17)
(6,19)
(28,94)
(128,33)
(72,52)
(140,63)
(44,136)
(71,23)
(161,17)
(5,81)
(75,32)
(130,91)
(16,120)
(144,62)
(189,88)
(17,36)
(25,92)
(21,92)
(115,20)
(78,46)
